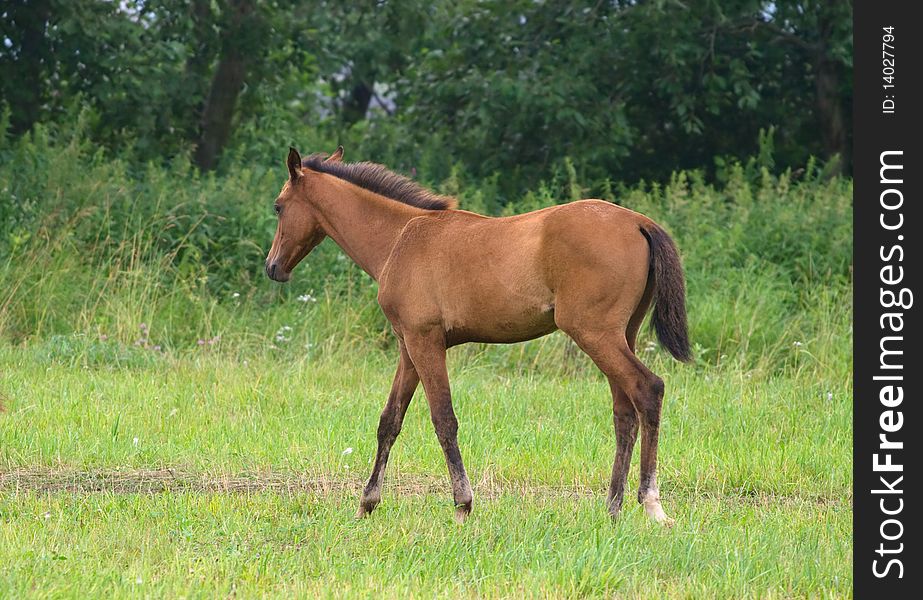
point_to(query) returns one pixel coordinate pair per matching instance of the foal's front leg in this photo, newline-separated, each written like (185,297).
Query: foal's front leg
(389,425)
(428,355)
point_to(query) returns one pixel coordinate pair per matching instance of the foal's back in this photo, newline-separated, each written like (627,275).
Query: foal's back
(501,279)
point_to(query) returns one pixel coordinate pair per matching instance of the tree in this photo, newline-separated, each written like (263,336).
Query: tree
(367,42)
(25,58)
(625,89)
(237,44)
(629,89)
(821,31)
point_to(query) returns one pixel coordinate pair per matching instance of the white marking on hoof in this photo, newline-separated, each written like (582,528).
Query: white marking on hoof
(654,510)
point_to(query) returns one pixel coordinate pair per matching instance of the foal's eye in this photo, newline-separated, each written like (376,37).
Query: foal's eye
(277,209)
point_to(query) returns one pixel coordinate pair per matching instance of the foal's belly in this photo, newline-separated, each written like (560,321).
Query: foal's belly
(502,329)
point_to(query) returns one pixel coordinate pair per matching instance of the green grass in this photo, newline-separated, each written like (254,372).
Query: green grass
(196,474)
(201,545)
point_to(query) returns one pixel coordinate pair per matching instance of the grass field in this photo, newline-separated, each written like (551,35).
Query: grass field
(200,474)
(172,424)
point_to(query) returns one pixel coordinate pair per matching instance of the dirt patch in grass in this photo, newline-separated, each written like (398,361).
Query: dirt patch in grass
(156,481)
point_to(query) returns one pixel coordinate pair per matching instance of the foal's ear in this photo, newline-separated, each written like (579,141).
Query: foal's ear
(294,164)
(337,155)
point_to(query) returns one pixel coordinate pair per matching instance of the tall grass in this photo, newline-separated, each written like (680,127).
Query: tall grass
(92,248)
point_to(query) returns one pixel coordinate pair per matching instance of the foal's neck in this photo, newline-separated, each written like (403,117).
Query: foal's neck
(364,224)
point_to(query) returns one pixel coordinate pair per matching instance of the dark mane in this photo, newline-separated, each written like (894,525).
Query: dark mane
(379,179)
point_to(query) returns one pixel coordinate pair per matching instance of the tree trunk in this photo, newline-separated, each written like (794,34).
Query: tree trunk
(830,110)
(219,109)
(227,83)
(357,105)
(833,125)
(28,93)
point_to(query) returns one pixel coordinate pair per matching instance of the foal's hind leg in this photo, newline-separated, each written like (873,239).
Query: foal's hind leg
(649,411)
(629,376)
(625,420)
(645,390)
(389,426)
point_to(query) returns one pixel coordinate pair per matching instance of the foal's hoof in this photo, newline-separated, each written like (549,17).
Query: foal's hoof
(366,506)
(655,511)
(461,513)
(614,508)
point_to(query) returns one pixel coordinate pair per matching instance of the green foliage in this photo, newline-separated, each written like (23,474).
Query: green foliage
(147,67)
(517,86)
(496,87)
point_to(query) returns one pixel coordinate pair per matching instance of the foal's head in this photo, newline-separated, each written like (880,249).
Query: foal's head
(298,231)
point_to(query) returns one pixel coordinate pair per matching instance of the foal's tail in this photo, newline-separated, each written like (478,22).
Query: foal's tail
(669,319)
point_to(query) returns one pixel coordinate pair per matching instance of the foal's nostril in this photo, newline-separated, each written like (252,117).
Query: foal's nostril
(272,271)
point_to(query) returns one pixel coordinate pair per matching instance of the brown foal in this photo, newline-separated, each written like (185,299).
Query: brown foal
(446,277)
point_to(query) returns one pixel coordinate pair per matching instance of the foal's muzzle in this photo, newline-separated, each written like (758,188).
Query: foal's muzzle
(276,272)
